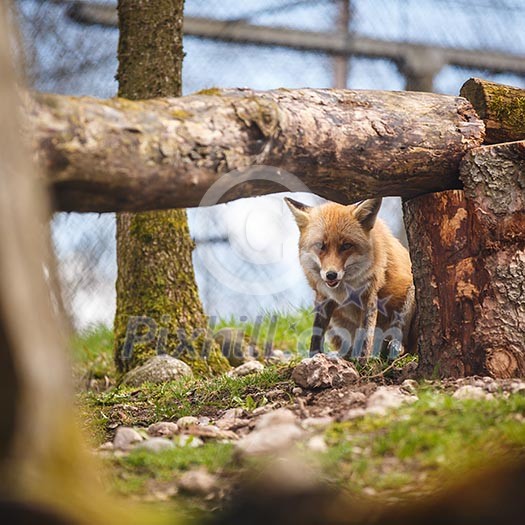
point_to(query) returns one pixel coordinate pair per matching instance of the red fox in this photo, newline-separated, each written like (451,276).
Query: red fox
(362,278)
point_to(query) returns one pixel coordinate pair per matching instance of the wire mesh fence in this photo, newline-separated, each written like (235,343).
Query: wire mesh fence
(66,56)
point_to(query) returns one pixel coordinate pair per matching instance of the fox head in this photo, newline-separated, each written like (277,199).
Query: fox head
(334,241)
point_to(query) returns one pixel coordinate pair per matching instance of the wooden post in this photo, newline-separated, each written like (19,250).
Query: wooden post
(468,260)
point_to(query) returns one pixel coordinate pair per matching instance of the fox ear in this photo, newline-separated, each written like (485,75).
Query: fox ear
(300,211)
(366,212)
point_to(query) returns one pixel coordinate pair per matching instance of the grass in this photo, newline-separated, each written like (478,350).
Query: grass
(411,450)
(422,445)
(289,332)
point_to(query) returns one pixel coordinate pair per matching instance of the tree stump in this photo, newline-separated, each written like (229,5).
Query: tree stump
(468,260)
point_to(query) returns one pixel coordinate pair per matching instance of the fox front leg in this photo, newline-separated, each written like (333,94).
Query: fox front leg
(323,314)
(369,325)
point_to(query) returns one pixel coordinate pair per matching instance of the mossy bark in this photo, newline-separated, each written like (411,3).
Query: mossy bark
(158,306)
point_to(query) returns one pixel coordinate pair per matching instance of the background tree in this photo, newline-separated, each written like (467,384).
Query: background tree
(155,271)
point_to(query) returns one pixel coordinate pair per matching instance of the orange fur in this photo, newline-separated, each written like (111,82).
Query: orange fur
(373,287)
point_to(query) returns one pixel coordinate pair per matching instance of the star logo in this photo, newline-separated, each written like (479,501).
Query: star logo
(399,319)
(354,296)
(381,305)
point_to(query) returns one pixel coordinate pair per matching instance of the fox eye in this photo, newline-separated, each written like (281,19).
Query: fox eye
(321,246)
(346,246)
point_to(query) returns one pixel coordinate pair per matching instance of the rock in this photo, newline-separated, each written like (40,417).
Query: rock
(354,413)
(210,432)
(163,429)
(186,422)
(198,481)
(231,419)
(185,440)
(297,390)
(277,356)
(233,345)
(158,369)
(269,439)
(386,398)
(470,392)
(107,446)
(281,416)
(321,371)
(356,398)
(250,367)
(317,422)
(517,386)
(125,438)
(231,414)
(317,444)
(409,386)
(156,444)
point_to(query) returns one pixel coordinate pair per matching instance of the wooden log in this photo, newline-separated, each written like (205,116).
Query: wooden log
(468,256)
(501,107)
(114,155)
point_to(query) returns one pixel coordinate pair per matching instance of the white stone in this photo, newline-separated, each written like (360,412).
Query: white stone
(386,398)
(125,438)
(187,421)
(163,429)
(470,392)
(276,417)
(156,444)
(250,367)
(269,439)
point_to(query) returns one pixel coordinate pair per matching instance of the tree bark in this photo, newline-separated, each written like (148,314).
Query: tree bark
(155,271)
(45,475)
(501,107)
(468,259)
(116,155)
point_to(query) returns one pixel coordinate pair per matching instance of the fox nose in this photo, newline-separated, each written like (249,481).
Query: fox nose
(331,276)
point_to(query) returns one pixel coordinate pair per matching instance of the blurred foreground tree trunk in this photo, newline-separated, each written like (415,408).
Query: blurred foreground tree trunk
(158,305)
(45,475)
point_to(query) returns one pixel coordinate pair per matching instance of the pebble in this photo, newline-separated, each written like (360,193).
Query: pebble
(317,444)
(250,367)
(281,416)
(198,481)
(158,369)
(321,371)
(186,422)
(210,432)
(156,444)
(386,398)
(317,422)
(125,438)
(269,439)
(470,392)
(163,429)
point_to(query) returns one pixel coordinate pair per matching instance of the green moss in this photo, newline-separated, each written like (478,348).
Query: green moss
(510,109)
(156,282)
(180,114)
(210,92)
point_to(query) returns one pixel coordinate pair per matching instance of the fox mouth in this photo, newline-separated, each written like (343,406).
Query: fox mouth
(332,283)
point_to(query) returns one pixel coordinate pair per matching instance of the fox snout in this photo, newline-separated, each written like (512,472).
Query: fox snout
(332,277)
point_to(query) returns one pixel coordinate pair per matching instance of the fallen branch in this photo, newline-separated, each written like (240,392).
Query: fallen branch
(115,155)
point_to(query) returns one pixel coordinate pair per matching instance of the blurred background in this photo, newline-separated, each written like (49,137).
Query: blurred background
(246,257)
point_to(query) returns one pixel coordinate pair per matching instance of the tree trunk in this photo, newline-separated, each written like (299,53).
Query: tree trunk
(156,289)
(45,475)
(501,107)
(468,259)
(342,145)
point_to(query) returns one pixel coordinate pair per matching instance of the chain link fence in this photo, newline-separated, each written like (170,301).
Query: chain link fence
(66,56)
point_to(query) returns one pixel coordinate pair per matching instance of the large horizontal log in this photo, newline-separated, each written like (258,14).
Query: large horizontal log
(501,107)
(114,155)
